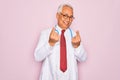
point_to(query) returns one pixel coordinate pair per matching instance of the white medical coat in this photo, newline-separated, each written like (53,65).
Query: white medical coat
(50,56)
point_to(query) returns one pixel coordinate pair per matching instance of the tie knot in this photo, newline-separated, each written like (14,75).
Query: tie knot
(63,31)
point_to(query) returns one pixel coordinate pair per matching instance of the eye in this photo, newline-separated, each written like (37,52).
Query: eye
(65,16)
(71,17)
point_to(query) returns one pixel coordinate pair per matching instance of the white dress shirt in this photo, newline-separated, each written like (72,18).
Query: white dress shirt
(50,56)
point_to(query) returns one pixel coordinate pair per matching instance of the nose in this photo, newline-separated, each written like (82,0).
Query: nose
(68,19)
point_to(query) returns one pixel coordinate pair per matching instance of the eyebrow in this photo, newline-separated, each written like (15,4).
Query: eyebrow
(67,14)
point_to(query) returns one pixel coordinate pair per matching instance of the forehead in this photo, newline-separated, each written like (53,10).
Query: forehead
(67,10)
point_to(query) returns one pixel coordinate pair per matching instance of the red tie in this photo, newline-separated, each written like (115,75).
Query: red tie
(63,55)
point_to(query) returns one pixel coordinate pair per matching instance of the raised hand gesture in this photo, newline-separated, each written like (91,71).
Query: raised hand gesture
(76,40)
(54,37)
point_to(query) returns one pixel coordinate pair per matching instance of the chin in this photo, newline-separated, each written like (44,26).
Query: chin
(65,27)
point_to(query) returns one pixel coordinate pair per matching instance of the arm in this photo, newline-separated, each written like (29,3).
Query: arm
(80,53)
(79,50)
(43,48)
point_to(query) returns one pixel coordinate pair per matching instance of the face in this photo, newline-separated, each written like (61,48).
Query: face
(65,18)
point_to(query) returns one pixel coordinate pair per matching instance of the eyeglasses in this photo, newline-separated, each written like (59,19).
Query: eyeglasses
(65,16)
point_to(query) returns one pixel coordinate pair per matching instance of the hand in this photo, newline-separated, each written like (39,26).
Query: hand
(76,40)
(54,37)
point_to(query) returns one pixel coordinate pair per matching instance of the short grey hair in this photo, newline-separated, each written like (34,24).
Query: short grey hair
(61,7)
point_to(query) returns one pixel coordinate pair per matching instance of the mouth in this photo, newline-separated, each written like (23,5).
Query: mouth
(66,23)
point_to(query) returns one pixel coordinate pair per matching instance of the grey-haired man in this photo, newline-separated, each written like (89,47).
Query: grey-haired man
(49,49)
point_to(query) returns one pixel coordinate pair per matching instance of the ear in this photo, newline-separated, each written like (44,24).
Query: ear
(57,15)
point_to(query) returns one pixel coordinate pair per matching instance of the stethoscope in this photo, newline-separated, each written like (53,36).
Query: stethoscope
(68,28)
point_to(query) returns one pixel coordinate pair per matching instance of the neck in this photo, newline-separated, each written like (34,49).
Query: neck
(62,28)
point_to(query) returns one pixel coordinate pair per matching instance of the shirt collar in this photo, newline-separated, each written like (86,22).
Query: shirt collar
(58,29)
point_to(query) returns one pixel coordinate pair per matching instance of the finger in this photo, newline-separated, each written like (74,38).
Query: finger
(73,39)
(53,29)
(56,34)
(77,33)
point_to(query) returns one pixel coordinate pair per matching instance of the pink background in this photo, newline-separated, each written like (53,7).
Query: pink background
(21,22)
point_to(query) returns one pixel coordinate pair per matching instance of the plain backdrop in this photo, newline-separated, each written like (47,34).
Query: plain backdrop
(21,22)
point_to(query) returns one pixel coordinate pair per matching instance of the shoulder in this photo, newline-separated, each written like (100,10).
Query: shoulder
(46,31)
(44,34)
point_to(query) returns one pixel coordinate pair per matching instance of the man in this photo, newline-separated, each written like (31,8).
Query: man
(60,48)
